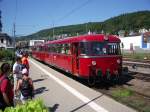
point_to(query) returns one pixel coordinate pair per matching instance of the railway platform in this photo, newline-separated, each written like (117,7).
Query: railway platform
(62,94)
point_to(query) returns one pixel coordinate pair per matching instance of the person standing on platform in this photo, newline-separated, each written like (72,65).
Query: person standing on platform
(6,89)
(17,73)
(25,62)
(25,85)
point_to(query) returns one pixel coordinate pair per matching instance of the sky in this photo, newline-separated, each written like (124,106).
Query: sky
(31,16)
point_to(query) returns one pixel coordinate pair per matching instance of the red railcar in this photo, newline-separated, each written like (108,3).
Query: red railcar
(88,56)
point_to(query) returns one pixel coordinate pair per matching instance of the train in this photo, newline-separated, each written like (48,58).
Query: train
(92,57)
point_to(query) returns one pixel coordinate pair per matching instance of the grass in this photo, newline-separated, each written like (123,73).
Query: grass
(140,56)
(121,93)
(132,99)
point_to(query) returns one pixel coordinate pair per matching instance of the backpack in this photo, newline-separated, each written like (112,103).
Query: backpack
(26,89)
(3,105)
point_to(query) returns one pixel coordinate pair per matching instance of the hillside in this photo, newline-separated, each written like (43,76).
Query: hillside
(129,21)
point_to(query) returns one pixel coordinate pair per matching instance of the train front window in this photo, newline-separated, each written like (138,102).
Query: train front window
(99,48)
(92,48)
(114,49)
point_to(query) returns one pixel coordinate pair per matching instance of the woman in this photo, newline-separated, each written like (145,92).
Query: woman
(6,89)
(25,85)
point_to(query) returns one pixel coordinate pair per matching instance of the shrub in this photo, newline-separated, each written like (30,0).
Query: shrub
(30,106)
(6,54)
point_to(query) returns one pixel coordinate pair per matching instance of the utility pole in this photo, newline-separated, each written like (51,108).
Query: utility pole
(53,30)
(86,30)
(0,23)
(14,34)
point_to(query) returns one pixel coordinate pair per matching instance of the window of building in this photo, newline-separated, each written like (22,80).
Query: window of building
(2,40)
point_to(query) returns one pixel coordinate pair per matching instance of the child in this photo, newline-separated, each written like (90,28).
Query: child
(25,86)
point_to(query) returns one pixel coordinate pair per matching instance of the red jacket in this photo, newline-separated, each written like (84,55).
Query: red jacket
(6,87)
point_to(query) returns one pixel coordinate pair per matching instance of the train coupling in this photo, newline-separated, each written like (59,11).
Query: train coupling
(125,70)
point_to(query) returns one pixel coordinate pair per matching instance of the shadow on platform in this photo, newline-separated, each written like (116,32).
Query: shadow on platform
(37,80)
(53,108)
(40,90)
(86,104)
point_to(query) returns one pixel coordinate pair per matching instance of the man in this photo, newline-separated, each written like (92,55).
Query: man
(17,74)
(25,61)
(18,54)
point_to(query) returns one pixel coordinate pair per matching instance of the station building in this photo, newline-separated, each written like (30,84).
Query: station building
(140,43)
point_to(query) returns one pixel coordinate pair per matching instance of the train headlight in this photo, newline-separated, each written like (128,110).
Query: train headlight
(93,63)
(106,37)
(118,61)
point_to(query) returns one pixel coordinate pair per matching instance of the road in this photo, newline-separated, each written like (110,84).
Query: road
(63,94)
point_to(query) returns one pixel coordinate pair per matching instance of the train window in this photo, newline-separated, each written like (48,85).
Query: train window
(59,48)
(83,48)
(63,48)
(114,49)
(67,49)
(41,48)
(98,48)
(56,48)
(53,48)
(34,49)
(49,49)
(38,48)
(46,48)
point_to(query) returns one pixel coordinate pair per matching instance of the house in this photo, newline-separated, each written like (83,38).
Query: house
(5,41)
(140,43)
(35,42)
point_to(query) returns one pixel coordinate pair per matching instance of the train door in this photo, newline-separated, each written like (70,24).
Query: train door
(75,61)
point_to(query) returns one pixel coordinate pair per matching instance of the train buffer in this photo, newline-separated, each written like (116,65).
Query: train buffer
(62,94)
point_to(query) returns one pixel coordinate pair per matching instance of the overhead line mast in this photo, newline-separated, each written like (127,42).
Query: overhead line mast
(14,25)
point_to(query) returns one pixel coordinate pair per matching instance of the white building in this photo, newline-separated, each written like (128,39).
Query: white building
(35,42)
(5,41)
(136,43)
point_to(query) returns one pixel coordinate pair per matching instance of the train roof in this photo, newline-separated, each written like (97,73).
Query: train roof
(85,38)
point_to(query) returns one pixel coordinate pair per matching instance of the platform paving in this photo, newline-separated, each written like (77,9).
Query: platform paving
(63,94)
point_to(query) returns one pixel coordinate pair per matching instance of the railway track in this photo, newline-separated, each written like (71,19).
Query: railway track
(141,76)
(138,64)
(124,81)
(141,67)
(136,60)
(139,97)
